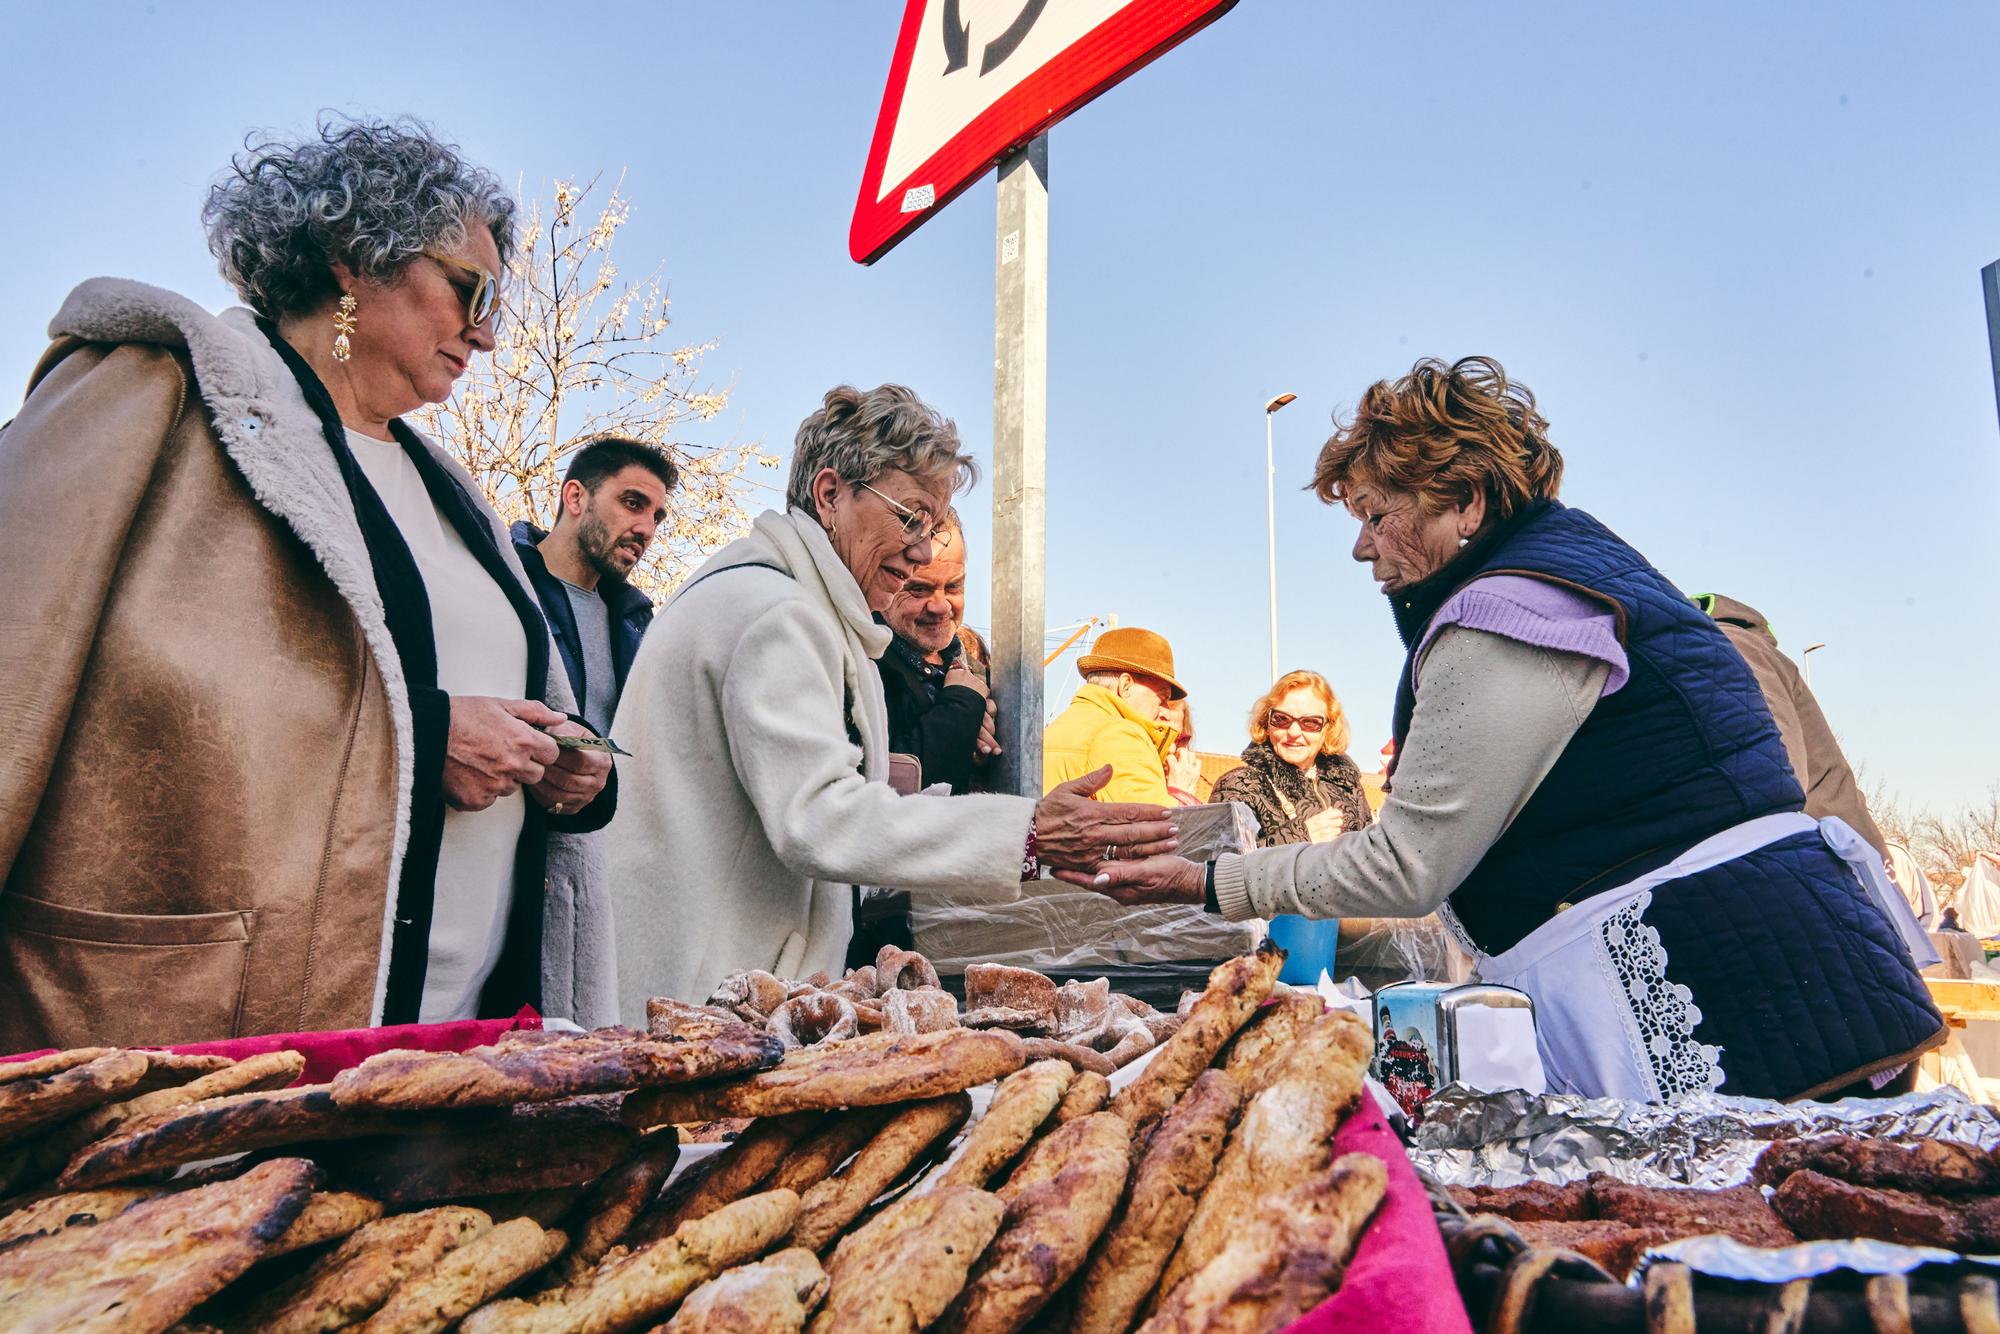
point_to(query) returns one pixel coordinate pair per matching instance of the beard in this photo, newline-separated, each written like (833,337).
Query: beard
(600,548)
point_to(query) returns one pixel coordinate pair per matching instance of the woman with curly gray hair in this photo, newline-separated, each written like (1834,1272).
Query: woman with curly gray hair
(285,726)
(756,798)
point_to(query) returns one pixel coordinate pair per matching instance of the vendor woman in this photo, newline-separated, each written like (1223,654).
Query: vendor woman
(1588,786)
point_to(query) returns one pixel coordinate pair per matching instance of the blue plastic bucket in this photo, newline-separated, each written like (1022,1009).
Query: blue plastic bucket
(1309,944)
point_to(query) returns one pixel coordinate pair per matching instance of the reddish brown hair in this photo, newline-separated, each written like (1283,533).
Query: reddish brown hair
(1444,434)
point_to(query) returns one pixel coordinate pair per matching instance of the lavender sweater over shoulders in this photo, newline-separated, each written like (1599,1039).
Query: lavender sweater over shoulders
(1539,614)
(1508,670)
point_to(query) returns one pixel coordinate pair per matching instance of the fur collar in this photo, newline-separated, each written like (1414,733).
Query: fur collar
(1335,771)
(274,438)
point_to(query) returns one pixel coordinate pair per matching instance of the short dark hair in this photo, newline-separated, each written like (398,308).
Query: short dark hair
(609,454)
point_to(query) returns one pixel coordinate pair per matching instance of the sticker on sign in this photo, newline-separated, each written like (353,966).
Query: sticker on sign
(971,80)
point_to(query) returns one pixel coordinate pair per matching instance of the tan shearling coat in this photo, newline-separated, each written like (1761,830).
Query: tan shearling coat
(206,777)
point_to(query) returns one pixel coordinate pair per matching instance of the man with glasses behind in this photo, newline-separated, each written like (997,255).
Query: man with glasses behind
(1118,718)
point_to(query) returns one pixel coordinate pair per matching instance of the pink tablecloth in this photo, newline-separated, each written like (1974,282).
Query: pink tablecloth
(1400,1278)
(327,1054)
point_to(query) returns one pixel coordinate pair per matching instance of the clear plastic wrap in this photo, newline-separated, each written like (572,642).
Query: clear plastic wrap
(1381,950)
(1055,928)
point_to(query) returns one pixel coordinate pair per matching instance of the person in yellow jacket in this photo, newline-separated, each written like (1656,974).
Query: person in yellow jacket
(1118,718)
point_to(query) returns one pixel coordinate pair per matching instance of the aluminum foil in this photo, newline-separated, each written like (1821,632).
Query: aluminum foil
(1470,1138)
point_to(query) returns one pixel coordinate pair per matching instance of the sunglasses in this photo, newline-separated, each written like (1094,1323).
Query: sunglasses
(1280,722)
(485,293)
(917,528)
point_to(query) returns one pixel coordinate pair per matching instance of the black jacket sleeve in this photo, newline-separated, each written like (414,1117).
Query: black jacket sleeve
(943,737)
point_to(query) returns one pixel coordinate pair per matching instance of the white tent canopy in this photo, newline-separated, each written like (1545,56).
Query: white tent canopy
(1916,886)
(1978,900)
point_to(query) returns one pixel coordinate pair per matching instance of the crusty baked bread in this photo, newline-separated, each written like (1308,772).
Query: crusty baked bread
(1287,1257)
(1083,1058)
(862,1072)
(471,1275)
(1252,1054)
(346,1285)
(152,1264)
(328,1215)
(838,1138)
(634,1289)
(730,1175)
(826,1210)
(605,1215)
(561,1066)
(1738,1211)
(772,1296)
(1235,989)
(1934,1166)
(897,1272)
(1283,1138)
(73,1209)
(1176,1169)
(59,1143)
(1020,1105)
(1053,1218)
(29,1103)
(218,1126)
(1087,1093)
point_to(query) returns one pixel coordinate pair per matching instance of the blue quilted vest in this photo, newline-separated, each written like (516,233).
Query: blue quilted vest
(1799,977)
(1684,750)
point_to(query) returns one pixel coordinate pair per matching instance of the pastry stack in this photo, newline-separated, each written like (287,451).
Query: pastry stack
(530,1185)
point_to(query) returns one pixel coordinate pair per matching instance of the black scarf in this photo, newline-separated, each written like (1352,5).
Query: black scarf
(406,608)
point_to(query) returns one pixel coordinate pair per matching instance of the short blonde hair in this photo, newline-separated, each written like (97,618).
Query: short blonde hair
(1333,740)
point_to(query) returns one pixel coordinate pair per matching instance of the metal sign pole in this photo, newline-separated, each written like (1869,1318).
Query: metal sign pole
(1020,449)
(1989,278)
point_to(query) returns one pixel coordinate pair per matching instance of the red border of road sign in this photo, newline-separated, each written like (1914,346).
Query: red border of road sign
(1133,37)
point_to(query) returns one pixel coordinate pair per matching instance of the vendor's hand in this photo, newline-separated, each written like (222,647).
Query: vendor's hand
(1073,832)
(577,776)
(959,675)
(988,743)
(1154,880)
(1327,825)
(494,748)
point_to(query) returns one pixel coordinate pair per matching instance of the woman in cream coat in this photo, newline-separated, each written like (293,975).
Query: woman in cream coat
(754,799)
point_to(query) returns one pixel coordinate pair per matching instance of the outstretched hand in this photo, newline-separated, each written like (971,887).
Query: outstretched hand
(1166,879)
(1075,833)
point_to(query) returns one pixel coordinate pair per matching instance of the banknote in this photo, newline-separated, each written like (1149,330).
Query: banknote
(603,743)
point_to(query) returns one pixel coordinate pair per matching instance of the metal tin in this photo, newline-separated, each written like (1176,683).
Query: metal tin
(1421,1035)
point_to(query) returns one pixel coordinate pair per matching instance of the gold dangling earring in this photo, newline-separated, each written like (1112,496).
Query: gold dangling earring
(343,325)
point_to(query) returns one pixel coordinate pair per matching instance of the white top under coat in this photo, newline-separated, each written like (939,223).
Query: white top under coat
(480,651)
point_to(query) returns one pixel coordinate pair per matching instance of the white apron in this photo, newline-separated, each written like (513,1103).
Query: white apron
(1608,1021)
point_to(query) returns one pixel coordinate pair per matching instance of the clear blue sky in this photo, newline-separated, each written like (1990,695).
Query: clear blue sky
(1735,250)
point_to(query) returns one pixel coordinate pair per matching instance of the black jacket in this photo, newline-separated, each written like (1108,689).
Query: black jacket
(517,977)
(631,613)
(937,723)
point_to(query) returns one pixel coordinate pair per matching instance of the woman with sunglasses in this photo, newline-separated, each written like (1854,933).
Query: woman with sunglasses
(1296,776)
(756,798)
(282,708)
(1588,787)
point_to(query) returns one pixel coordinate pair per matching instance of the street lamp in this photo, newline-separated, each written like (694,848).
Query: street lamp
(1271,518)
(1805,662)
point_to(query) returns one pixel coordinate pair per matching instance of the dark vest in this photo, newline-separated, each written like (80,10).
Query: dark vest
(1684,750)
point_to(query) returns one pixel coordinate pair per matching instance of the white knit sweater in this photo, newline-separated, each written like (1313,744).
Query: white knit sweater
(745,811)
